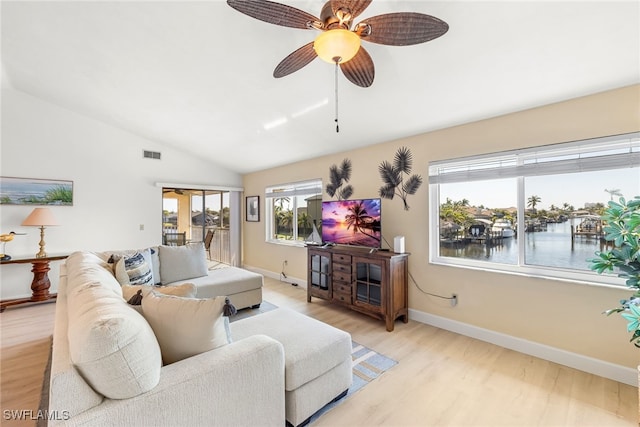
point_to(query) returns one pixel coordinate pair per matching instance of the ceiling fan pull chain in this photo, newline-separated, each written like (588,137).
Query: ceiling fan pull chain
(336,87)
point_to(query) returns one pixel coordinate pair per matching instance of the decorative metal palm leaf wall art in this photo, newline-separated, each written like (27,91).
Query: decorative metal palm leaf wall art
(393,177)
(396,178)
(338,175)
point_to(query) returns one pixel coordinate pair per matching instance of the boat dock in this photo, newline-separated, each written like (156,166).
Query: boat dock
(590,227)
(489,237)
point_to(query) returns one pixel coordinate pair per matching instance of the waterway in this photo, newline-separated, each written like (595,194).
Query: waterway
(550,248)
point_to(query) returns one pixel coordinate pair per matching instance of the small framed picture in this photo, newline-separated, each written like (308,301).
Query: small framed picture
(253,208)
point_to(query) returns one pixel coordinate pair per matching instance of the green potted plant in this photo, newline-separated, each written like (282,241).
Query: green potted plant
(622,221)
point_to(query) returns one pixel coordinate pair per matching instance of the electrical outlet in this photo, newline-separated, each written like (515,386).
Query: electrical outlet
(141,227)
(454,300)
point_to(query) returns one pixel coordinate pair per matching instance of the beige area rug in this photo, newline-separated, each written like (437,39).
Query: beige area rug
(367,365)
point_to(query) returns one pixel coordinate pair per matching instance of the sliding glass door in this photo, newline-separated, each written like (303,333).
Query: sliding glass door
(192,214)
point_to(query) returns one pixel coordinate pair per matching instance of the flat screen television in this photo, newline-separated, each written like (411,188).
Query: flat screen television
(352,222)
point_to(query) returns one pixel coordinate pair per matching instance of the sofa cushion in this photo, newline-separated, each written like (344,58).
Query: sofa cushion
(185,327)
(226,281)
(187,290)
(312,348)
(111,345)
(179,263)
(88,267)
(64,376)
(134,269)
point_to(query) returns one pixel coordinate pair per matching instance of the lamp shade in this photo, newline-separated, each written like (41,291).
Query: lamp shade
(40,217)
(337,46)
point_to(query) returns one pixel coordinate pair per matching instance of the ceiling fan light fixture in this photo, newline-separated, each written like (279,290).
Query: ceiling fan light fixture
(337,45)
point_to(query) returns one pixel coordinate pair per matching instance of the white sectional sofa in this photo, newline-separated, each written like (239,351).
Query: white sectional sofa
(174,361)
(106,365)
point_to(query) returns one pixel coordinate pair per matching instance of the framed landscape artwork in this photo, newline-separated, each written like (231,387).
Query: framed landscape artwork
(34,191)
(253,209)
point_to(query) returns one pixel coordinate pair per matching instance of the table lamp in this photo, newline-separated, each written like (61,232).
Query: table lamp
(41,217)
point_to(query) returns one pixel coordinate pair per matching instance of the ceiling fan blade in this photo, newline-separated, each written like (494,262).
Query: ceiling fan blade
(296,60)
(360,69)
(403,28)
(355,7)
(273,13)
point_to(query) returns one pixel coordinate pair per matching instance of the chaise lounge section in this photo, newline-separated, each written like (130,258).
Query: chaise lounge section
(317,359)
(175,265)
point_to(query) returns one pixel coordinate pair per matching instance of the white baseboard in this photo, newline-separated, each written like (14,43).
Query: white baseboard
(591,365)
(289,279)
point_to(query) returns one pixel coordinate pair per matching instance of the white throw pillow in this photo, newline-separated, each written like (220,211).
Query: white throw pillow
(134,269)
(178,263)
(185,327)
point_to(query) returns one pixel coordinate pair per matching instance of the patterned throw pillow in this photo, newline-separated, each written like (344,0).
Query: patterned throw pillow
(133,270)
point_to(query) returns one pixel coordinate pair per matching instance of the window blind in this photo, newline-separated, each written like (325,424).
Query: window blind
(303,188)
(613,152)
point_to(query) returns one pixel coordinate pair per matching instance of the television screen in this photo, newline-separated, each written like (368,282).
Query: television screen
(352,222)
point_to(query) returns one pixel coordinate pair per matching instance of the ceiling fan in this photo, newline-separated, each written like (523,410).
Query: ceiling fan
(178,191)
(339,42)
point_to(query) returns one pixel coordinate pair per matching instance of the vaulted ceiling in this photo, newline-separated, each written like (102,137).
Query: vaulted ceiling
(198,75)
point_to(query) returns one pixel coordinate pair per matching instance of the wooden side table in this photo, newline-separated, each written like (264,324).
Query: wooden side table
(40,284)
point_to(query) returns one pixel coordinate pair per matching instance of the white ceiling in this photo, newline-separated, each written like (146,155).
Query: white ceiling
(198,75)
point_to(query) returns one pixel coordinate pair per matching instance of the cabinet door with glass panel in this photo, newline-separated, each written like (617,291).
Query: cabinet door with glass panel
(319,279)
(369,278)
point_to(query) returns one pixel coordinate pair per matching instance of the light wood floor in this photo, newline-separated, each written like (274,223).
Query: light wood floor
(442,379)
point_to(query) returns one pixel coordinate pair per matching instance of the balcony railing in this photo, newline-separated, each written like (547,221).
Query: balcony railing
(220,249)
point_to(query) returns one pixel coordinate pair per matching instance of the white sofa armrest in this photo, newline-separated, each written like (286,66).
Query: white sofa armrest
(235,385)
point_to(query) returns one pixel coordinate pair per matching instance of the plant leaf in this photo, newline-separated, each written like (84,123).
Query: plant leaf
(387,192)
(403,160)
(345,168)
(413,183)
(330,189)
(346,192)
(389,174)
(334,176)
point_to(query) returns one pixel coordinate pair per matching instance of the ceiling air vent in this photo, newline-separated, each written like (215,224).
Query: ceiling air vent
(151,154)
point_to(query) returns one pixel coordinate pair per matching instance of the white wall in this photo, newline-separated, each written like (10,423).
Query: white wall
(114,188)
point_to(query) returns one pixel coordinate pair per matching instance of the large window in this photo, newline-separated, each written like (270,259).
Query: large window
(532,211)
(293,210)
